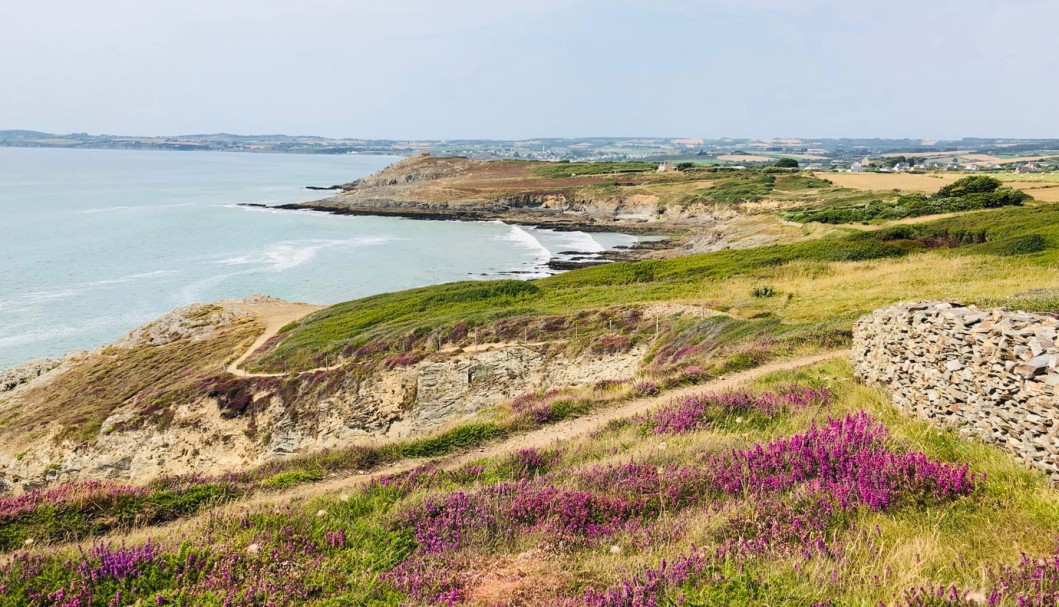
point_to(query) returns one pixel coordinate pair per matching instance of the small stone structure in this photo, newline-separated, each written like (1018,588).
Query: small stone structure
(991,373)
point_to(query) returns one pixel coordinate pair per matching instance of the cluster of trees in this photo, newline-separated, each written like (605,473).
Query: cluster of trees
(967,194)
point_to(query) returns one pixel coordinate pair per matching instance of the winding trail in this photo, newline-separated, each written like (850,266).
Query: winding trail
(275,315)
(562,432)
(545,436)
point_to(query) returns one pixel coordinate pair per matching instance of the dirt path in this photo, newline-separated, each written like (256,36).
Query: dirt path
(275,315)
(562,432)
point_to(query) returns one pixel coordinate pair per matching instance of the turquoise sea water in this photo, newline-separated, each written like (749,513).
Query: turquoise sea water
(96,242)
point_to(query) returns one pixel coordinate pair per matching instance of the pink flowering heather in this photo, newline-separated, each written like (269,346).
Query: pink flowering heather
(645,388)
(420,477)
(531,462)
(848,459)
(119,563)
(939,596)
(535,405)
(435,579)
(70,493)
(695,412)
(778,527)
(653,488)
(1030,583)
(648,588)
(446,524)
(569,514)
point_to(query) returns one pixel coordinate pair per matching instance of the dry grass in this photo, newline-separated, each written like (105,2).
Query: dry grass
(146,380)
(810,291)
(931,182)
(911,182)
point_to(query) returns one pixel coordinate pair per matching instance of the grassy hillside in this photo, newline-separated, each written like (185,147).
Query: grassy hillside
(989,254)
(807,489)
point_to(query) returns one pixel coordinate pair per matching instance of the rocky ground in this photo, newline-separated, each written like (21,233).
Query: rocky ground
(426,187)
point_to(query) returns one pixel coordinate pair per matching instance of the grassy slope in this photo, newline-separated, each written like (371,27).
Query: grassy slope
(338,549)
(151,378)
(828,281)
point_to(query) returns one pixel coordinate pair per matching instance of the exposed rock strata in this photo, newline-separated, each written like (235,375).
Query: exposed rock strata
(314,411)
(26,372)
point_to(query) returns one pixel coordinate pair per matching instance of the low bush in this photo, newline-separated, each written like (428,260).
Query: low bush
(1017,245)
(283,480)
(968,194)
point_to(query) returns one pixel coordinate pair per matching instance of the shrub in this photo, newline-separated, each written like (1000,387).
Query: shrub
(765,291)
(980,192)
(786,163)
(1017,245)
(284,480)
(645,388)
(975,184)
(458,437)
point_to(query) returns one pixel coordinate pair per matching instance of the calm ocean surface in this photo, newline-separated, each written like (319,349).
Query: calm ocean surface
(97,242)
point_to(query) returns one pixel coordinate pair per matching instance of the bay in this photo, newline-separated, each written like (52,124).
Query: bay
(97,242)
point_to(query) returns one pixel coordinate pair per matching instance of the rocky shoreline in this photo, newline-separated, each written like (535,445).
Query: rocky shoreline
(549,221)
(672,238)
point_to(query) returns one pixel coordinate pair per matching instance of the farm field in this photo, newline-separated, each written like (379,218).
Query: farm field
(1037,186)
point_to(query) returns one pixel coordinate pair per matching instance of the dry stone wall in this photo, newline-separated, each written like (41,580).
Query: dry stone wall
(991,373)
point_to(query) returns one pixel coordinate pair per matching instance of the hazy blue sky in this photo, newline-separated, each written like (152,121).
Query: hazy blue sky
(528,68)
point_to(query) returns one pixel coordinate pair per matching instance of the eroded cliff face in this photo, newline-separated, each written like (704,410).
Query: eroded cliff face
(462,188)
(139,440)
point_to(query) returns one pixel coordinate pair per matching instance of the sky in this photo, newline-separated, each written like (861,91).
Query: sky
(519,69)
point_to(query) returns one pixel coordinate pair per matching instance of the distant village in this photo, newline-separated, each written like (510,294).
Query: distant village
(901,164)
(850,154)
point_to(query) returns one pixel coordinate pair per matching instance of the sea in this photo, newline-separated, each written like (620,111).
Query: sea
(94,243)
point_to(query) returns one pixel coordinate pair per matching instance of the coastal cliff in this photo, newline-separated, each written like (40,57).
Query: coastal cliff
(157,403)
(627,197)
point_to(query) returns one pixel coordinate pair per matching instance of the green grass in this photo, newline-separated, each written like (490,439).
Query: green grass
(460,437)
(408,317)
(285,480)
(567,169)
(1012,511)
(967,194)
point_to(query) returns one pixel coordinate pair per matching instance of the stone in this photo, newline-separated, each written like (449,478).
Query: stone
(993,374)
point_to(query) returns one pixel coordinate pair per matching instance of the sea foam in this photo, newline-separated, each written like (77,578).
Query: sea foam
(526,240)
(293,253)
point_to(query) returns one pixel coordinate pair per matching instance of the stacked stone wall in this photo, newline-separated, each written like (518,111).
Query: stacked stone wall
(991,373)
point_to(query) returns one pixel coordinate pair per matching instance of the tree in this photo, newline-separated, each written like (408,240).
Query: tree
(975,184)
(786,163)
